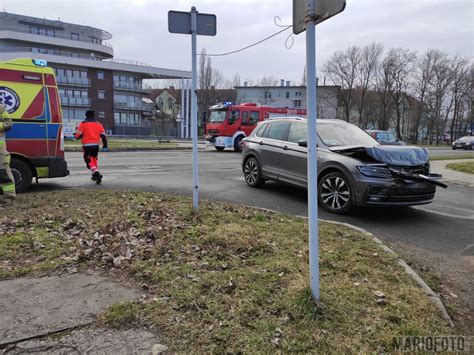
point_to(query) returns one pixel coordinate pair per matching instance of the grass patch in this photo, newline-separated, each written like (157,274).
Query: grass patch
(465,167)
(229,279)
(117,145)
(452,156)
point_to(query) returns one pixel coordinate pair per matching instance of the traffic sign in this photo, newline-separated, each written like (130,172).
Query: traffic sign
(324,10)
(195,24)
(180,22)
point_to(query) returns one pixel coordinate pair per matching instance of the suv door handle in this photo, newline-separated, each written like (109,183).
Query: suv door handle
(261,142)
(285,147)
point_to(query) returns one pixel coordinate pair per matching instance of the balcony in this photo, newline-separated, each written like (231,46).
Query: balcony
(54,52)
(23,34)
(137,106)
(126,86)
(66,80)
(75,101)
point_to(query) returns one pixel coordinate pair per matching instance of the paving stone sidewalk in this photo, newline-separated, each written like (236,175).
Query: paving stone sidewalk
(449,175)
(42,314)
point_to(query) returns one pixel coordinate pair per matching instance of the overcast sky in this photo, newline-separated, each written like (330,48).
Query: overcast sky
(140,30)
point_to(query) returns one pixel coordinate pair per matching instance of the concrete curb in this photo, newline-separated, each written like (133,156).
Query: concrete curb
(432,296)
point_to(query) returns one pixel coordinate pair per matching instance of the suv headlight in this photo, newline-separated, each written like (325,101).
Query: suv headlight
(375,171)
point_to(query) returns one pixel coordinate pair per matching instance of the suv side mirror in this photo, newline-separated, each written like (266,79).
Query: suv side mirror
(303,143)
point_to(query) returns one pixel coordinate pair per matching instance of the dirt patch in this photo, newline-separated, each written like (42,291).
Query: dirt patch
(230,278)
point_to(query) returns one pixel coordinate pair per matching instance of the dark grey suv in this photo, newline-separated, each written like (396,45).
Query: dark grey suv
(353,168)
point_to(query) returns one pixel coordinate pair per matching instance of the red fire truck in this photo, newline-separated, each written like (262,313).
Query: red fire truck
(228,124)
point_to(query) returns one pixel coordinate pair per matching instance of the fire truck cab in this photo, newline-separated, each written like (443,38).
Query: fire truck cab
(228,124)
(29,92)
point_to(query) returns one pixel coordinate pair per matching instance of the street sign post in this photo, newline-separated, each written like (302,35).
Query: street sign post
(194,24)
(322,10)
(306,14)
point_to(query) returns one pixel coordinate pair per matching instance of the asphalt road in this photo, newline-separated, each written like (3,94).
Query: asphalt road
(433,236)
(448,151)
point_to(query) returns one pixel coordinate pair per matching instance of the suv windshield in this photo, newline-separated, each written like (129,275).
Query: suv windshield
(217,116)
(334,135)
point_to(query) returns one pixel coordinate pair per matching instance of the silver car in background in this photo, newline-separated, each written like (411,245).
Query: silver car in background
(353,168)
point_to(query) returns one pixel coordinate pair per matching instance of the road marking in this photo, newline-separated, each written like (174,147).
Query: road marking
(456,208)
(446,214)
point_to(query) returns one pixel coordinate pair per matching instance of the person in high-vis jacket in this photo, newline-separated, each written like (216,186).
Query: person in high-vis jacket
(7,182)
(90,132)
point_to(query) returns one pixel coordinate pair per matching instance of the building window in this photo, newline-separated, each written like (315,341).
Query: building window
(101,94)
(42,31)
(298,94)
(170,103)
(296,103)
(101,114)
(287,94)
(75,36)
(100,75)
(267,94)
(123,118)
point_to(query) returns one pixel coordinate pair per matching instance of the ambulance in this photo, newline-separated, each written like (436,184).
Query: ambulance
(29,92)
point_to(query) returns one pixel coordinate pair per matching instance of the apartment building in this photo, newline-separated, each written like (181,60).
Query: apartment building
(291,96)
(88,76)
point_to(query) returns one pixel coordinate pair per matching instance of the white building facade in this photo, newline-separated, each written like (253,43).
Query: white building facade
(290,96)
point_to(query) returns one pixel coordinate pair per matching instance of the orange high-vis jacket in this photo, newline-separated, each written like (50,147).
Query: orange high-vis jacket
(90,132)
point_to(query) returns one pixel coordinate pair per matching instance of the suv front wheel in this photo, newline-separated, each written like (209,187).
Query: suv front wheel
(335,193)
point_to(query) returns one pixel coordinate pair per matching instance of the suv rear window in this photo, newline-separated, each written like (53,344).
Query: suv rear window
(276,130)
(259,130)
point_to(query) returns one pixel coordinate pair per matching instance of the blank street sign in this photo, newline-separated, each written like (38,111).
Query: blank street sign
(180,22)
(324,10)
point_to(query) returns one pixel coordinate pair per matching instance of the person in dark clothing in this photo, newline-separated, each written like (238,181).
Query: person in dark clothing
(91,132)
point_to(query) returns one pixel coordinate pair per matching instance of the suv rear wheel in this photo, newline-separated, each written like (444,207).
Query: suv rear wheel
(253,173)
(335,193)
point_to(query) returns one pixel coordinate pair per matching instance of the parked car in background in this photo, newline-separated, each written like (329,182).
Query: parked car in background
(385,137)
(466,142)
(353,168)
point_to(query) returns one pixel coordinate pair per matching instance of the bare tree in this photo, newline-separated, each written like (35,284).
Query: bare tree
(423,76)
(236,80)
(461,82)
(303,77)
(437,95)
(210,79)
(366,71)
(268,80)
(384,86)
(341,68)
(402,61)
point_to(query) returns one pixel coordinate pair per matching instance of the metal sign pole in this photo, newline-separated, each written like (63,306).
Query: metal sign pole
(312,147)
(182,108)
(194,109)
(186,126)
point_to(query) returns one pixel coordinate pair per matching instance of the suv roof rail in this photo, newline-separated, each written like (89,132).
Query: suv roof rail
(286,118)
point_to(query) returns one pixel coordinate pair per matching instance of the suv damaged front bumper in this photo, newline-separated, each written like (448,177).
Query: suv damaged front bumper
(433,179)
(404,189)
